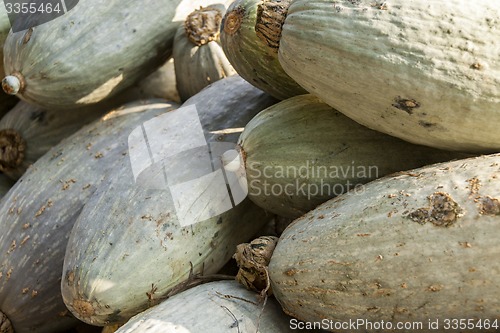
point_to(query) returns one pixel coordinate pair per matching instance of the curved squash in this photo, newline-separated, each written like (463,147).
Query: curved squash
(300,152)
(40,210)
(28,131)
(198,57)
(215,307)
(143,226)
(427,72)
(118,43)
(245,38)
(417,247)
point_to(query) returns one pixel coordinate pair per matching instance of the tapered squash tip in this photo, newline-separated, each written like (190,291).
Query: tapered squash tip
(12,149)
(5,325)
(203,25)
(13,84)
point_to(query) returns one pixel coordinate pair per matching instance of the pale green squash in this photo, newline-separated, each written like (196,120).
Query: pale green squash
(301,152)
(425,71)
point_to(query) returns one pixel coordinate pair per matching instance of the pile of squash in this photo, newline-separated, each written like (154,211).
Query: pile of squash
(251,166)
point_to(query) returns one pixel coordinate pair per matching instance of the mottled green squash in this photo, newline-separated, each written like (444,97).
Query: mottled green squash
(425,71)
(92,52)
(143,248)
(38,214)
(421,246)
(28,131)
(198,57)
(246,37)
(301,152)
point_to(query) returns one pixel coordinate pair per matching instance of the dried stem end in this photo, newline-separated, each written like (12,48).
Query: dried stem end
(271,15)
(5,325)
(253,259)
(203,25)
(13,84)
(12,148)
(233,20)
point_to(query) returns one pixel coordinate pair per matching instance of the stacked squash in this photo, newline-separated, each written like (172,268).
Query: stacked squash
(370,127)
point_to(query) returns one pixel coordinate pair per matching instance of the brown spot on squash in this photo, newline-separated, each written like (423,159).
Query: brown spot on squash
(489,206)
(27,36)
(443,211)
(407,105)
(477,66)
(83,308)
(474,185)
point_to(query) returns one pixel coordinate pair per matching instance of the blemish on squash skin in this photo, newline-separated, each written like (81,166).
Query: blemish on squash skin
(83,308)
(443,211)
(407,105)
(427,124)
(489,206)
(27,36)
(477,66)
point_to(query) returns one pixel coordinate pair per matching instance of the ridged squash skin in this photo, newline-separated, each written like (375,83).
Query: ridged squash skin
(427,72)
(94,51)
(206,309)
(199,59)
(414,247)
(40,210)
(141,228)
(301,152)
(246,47)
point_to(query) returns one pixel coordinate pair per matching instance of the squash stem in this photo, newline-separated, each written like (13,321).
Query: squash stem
(203,25)
(13,84)
(271,15)
(12,149)
(5,324)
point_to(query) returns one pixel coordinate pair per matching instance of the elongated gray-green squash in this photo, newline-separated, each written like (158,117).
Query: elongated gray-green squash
(28,131)
(301,152)
(214,307)
(421,246)
(144,247)
(92,52)
(198,57)
(246,38)
(425,71)
(38,213)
